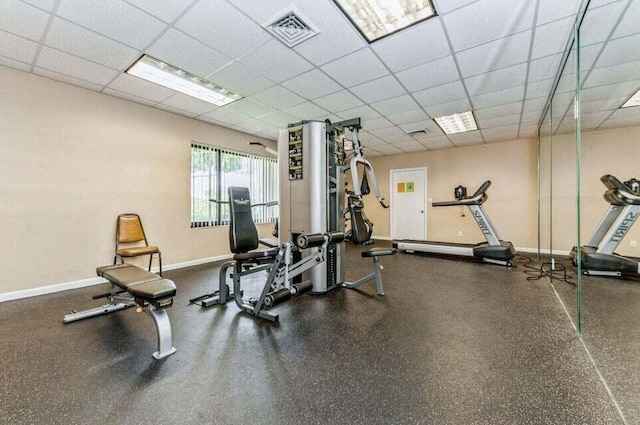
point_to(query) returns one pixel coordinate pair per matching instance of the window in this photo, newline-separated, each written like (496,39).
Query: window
(213,170)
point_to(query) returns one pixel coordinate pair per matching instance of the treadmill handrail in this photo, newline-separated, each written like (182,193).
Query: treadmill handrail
(620,191)
(477,198)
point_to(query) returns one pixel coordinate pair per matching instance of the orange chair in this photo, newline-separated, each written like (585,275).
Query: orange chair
(129,231)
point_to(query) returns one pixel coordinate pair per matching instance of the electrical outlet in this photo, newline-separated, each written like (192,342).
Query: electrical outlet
(633,244)
(460,233)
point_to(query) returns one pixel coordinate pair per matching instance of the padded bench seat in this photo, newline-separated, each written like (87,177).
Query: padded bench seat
(138,282)
(378,252)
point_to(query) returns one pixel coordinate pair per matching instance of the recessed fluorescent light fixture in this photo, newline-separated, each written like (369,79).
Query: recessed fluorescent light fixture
(379,18)
(156,71)
(633,101)
(457,123)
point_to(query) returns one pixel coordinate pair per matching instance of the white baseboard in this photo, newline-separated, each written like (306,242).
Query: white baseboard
(76,284)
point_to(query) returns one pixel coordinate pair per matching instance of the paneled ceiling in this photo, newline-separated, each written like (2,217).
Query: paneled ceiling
(495,57)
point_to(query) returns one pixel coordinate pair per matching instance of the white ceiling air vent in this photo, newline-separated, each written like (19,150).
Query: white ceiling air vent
(291,28)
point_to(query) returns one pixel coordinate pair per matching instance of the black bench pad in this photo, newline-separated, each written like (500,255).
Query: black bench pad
(153,290)
(378,252)
(257,255)
(125,275)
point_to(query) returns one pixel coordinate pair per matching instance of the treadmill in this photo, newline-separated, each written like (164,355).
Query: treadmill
(597,256)
(494,250)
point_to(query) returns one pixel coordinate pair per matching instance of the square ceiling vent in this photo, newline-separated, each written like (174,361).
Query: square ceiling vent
(291,28)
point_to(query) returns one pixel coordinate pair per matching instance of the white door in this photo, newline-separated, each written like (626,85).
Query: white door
(408,206)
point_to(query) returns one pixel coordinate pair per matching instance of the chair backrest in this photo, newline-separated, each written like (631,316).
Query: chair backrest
(243,235)
(360,224)
(129,229)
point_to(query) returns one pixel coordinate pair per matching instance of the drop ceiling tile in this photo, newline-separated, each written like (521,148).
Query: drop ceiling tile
(629,23)
(330,117)
(395,105)
(409,146)
(440,146)
(279,119)
(499,121)
(138,87)
(543,68)
(369,138)
(600,105)
(588,56)
(446,6)
(413,46)
(389,132)
(66,79)
(498,111)
(436,141)
(408,116)
(551,38)
(234,35)
(255,126)
(389,150)
(448,108)
(613,74)
(599,22)
(376,123)
(469,142)
(278,97)
(542,88)
(497,80)
(270,59)
(551,10)
(115,19)
(271,134)
(494,55)
(400,139)
(619,51)
(338,101)
(486,21)
(17,48)
(15,64)
(466,136)
(46,5)
(64,63)
(428,75)
(167,10)
(239,79)
(305,110)
(364,112)
(623,117)
(225,116)
(21,19)
(175,110)
(127,96)
(356,68)
(622,91)
(534,104)
(486,100)
(184,52)
(337,36)
(441,94)
(380,89)
(71,38)
(532,116)
(249,108)
(508,130)
(312,84)
(189,104)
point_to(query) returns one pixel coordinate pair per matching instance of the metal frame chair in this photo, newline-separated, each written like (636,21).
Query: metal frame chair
(129,230)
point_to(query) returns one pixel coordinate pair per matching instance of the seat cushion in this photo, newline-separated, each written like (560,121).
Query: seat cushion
(137,250)
(256,255)
(126,275)
(153,290)
(378,252)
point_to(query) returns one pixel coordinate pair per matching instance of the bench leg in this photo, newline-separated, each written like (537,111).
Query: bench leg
(163,330)
(98,311)
(374,275)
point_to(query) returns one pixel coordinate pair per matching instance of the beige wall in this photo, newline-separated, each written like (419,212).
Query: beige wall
(72,160)
(511,167)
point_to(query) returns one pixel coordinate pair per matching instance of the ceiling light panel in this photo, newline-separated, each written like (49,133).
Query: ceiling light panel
(376,19)
(457,123)
(156,71)
(633,101)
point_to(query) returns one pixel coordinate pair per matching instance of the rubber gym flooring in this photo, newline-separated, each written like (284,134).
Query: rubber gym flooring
(451,342)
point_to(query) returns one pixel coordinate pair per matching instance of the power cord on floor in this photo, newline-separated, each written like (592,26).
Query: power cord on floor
(536,271)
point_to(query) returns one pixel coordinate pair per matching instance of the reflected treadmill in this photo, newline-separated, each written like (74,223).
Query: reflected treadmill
(494,250)
(597,256)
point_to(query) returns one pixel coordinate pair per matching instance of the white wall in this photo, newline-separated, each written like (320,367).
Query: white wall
(71,160)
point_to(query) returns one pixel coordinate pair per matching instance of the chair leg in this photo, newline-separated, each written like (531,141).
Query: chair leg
(115,259)
(150,260)
(160,261)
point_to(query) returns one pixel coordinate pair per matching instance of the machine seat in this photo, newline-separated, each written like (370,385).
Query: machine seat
(263,254)
(378,252)
(153,290)
(136,251)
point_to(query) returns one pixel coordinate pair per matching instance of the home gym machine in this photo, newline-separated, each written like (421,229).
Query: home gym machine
(494,250)
(310,256)
(597,256)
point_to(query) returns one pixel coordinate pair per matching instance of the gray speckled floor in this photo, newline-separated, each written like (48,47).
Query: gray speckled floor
(451,343)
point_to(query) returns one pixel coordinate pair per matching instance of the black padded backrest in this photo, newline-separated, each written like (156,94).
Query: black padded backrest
(359,233)
(243,236)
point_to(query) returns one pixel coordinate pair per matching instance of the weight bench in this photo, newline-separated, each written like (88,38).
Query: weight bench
(131,286)
(372,253)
